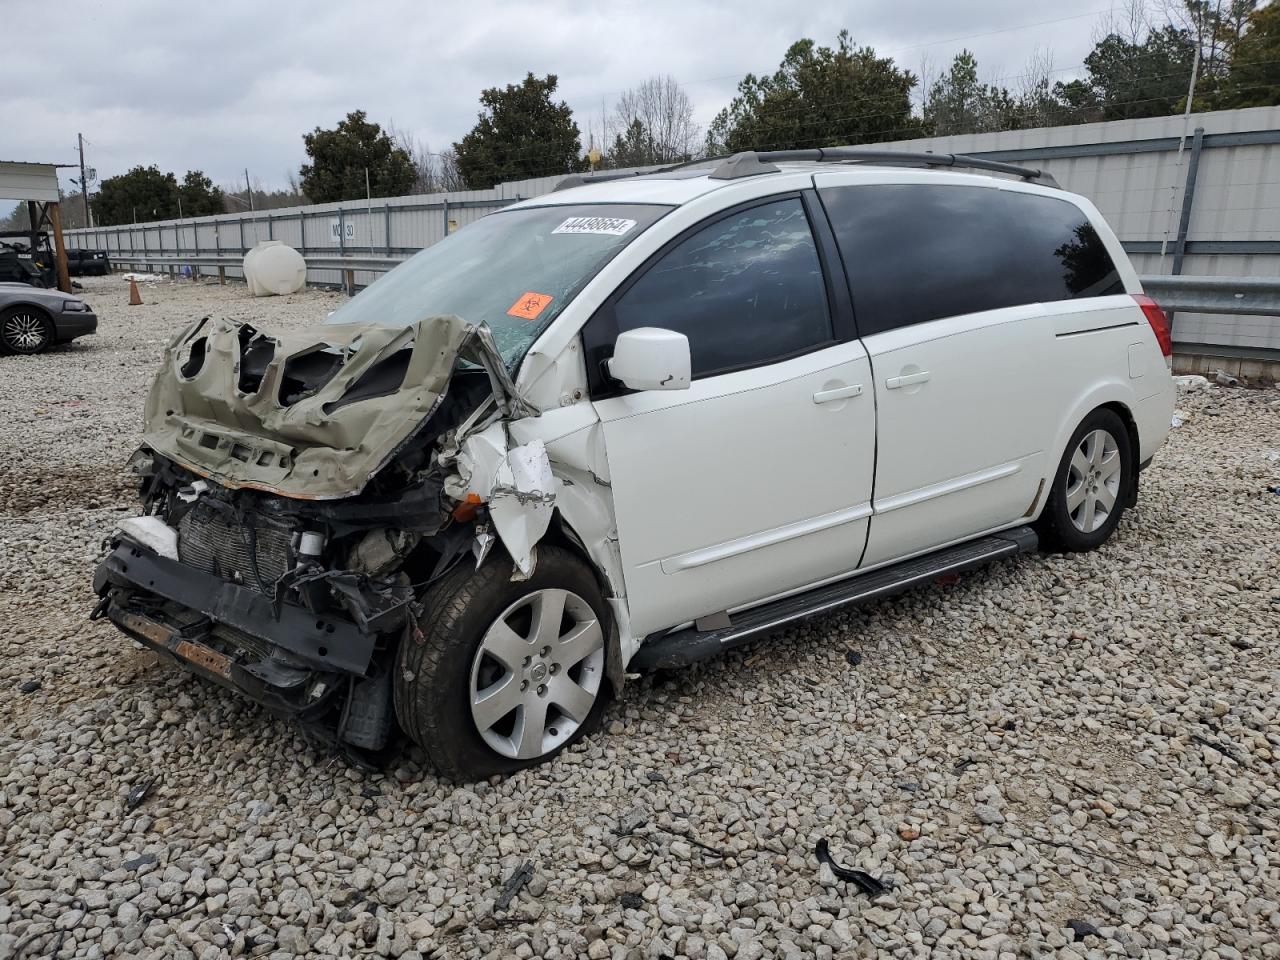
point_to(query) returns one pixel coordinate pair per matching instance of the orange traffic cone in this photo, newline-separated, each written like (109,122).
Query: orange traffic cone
(135,298)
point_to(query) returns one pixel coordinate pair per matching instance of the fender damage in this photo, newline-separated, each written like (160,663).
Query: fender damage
(300,489)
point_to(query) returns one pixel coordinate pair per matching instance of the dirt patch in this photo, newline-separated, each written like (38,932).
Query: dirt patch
(31,490)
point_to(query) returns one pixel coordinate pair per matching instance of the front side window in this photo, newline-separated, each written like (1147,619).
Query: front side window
(515,270)
(915,253)
(747,289)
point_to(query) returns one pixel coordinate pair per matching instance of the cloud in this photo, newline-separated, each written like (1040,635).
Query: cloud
(238,85)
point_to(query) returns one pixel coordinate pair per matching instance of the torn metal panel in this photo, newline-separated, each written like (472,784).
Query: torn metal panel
(314,413)
(572,435)
(521,501)
(586,506)
(517,485)
(575,445)
(574,448)
(478,459)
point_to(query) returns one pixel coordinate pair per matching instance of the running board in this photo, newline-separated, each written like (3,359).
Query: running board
(679,649)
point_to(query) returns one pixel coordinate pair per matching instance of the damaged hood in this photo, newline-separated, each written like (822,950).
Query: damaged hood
(314,413)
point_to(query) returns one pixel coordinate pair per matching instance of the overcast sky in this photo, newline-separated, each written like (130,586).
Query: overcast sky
(225,86)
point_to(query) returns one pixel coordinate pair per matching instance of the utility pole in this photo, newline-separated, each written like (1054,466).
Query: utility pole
(84,183)
(248,189)
(368,206)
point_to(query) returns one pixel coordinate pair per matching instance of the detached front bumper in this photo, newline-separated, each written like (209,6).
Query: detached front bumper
(298,658)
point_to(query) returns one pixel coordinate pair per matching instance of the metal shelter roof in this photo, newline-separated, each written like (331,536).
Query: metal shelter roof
(29,181)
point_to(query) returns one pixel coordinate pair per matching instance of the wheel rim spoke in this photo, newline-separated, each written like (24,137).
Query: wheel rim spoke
(1106,498)
(530,728)
(1086,517)
(1075,496)
(496,701)
(548,612)
(1111,465)
(1080,461)
(506,646)
(572,699)
(581,641)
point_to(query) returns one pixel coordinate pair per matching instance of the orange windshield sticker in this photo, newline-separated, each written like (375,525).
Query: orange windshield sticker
(529,305)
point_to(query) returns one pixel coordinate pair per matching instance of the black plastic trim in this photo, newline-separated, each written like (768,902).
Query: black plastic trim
(68,326)
(839,300)
(684,647)
(288,702)
(1110,326)
(329,643)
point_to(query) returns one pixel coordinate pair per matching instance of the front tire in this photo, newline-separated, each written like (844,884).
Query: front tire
(504,675)
(25,330)
(1091,486)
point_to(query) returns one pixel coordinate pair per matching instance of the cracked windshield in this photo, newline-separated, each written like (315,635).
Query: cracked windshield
(514,270)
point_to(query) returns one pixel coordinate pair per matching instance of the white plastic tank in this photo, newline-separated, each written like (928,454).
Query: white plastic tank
(273,268)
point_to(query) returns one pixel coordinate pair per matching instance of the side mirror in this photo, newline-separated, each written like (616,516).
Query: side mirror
(650,358)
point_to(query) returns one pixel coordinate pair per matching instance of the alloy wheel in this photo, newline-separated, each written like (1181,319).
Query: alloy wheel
(24,332)
(537,673)
(1093,481)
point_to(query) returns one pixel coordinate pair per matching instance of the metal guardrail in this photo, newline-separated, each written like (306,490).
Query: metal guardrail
(1240,296)
(1249,296)
(374,264)
(347,266)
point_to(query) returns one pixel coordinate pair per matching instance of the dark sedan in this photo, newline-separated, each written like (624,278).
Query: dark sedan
(32,319)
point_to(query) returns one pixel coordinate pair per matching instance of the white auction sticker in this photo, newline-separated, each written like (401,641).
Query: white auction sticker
(606,226)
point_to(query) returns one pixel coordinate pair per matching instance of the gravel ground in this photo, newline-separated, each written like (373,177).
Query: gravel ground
(1057,756)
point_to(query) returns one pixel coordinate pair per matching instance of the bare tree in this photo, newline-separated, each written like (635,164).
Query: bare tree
(928,75)
(449,178)
(1131,21)
(659,114)
(1036,104)
(426,164)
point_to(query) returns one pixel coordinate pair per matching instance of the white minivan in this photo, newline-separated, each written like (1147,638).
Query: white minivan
(628,425)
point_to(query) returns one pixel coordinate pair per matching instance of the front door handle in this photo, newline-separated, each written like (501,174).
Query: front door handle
(838,393)
(893,383)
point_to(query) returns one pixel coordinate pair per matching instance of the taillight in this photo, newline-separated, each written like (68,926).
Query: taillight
(1159,323)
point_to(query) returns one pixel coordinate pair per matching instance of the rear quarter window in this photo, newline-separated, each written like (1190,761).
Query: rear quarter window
(915,252)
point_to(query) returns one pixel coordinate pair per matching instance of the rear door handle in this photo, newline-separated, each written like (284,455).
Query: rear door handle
(838,393)
(893,383)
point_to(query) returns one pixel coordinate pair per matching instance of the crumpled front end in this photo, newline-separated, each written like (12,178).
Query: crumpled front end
(301,490)
(312,414)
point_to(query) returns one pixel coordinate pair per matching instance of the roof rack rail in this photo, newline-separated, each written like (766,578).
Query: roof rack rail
(582,179)
(751,163)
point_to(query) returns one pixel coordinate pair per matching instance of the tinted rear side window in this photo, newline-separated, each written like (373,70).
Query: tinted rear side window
(915,252)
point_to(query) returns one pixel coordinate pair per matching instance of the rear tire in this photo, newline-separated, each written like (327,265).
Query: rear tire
(25,330)
(1091,486)
(504,675)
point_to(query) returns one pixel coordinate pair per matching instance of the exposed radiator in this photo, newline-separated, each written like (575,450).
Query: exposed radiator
(212,543)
